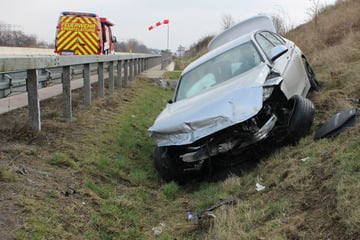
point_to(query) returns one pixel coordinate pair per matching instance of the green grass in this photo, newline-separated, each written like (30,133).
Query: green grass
(6,175)
(122,197)
(170,190)
(173,75)
(62,159)
(312,189)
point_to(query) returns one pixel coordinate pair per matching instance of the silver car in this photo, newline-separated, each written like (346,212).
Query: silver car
(250,86)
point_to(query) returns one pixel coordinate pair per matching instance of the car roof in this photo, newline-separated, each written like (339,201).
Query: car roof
(260,22)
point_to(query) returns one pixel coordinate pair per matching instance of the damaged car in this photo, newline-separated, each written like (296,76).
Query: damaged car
(250,86)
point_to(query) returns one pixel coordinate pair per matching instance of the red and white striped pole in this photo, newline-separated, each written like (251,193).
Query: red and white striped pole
(166,21)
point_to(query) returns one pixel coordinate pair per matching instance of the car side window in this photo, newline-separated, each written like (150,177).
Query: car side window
(278,37)
(265,44)
(273,38)
(268,40)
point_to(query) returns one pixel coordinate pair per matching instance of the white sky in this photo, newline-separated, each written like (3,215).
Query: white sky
(190,20)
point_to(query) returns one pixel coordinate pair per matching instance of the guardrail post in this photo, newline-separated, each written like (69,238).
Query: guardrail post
(135,67)
(111,77)
(33,99)
(101,79)
(87,85)
(141,65)
(67,98)
(126,73)
(145,64)
(131,73)
(118,81)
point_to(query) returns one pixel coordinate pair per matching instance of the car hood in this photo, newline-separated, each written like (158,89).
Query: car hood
(217,108)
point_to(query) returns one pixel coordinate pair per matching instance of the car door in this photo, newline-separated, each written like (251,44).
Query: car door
(289,65)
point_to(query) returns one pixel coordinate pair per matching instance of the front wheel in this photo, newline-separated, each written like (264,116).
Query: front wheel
(168,167)
(301,117)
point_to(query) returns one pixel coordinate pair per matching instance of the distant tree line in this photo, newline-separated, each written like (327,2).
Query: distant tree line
(134,45)
(199,48)
(10,36)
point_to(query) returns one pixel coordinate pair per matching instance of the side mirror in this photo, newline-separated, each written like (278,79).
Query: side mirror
(277,51)
(170,101)
(113,39)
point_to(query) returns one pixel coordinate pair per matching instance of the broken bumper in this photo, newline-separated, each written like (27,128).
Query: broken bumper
(202,154)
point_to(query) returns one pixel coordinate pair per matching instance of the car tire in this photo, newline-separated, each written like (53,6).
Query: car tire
(314,84)
(167,168)
(301,117)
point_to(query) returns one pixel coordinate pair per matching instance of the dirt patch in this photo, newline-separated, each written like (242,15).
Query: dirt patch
(314,213)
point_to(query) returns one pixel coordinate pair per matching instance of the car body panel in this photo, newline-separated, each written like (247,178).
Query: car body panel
(290,66)
(258,22)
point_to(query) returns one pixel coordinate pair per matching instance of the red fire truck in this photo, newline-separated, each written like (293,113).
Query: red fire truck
(83,34)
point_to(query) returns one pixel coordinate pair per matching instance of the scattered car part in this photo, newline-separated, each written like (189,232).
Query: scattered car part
(208,212)
(338,123)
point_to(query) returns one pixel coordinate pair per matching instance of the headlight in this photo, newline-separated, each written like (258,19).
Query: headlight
(269,85)
(267,91)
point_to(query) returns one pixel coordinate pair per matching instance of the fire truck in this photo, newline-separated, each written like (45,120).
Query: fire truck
(84,34)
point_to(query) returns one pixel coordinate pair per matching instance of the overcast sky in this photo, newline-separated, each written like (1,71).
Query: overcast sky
(190,20)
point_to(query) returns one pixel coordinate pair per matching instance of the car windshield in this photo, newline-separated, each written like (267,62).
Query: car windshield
(217,70)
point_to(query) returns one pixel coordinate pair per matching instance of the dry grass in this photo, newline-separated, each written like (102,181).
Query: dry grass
(316,198)
(333,49)
(312,189)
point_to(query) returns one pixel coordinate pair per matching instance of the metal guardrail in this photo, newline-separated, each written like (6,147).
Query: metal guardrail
(12,83)
(121,69)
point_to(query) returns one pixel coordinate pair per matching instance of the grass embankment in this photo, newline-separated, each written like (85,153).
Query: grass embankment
(311,189)
(98,182)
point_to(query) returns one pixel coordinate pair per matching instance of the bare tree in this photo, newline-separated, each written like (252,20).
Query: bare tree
(11,36)
(315,10)
(279,24)
(281,21)
(227,21)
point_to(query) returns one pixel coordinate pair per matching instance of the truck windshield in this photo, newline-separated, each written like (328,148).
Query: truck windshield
(217,70)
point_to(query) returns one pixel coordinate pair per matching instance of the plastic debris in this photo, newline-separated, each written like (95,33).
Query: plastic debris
(259,187)
(305,159)
(189,215)
(158,230)
(208,214)
(22,170)
(69,191)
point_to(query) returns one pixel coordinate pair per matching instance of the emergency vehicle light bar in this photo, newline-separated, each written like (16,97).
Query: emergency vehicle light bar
(79,14)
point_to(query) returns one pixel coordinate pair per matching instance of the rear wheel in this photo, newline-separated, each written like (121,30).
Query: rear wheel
(312,76)
(301,118)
